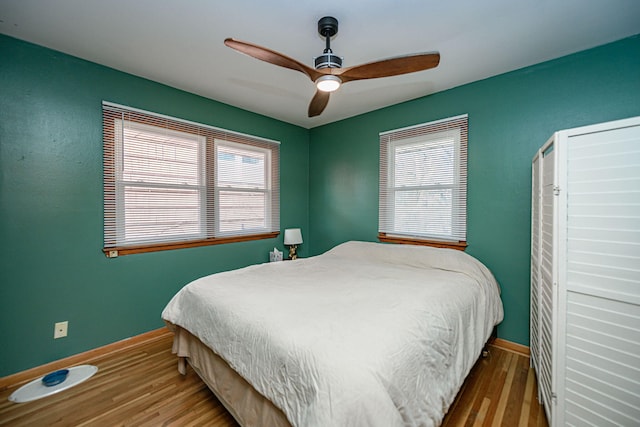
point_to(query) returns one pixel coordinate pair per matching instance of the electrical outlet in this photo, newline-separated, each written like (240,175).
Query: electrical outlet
(60,329)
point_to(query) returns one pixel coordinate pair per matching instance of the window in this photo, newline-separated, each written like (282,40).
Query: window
(170,183)
(423,182)
(242,193)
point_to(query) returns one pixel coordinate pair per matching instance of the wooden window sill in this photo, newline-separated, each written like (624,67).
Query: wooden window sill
(128,250)
(461,245)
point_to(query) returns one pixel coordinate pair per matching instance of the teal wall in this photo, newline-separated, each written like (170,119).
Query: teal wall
(510,117)
(51,264)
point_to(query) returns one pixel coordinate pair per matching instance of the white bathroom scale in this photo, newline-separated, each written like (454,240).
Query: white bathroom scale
(37,390)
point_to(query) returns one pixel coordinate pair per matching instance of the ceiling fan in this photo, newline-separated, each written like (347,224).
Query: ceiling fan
(328,73)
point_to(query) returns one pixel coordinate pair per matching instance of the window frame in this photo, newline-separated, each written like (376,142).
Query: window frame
(455,128)
(113,196)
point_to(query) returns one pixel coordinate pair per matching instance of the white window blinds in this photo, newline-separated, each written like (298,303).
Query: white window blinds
(423,181)
(242,190)
(169,181)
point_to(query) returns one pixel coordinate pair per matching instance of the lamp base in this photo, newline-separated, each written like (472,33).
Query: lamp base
(292,252)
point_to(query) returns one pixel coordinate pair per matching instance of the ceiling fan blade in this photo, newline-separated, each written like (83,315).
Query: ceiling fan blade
(318,103)
(390,67)
(272,57)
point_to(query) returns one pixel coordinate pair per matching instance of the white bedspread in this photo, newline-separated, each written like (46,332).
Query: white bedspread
(366,334)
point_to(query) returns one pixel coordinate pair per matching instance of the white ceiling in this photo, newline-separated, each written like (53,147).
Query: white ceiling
(180,43)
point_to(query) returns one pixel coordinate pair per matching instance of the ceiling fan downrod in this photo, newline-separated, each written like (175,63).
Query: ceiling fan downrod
(328,27)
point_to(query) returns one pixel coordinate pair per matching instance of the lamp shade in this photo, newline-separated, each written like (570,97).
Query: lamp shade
(292,236)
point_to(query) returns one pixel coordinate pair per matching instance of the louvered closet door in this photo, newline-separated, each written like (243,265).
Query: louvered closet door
(601,344)
(546,301)
(534,333)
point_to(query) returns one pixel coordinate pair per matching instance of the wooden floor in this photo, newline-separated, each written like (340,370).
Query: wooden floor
(500,390)
(141,386)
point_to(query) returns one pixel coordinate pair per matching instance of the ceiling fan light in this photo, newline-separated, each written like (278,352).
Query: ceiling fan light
(328,83)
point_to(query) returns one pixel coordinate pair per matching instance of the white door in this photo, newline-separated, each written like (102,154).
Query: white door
(599,257)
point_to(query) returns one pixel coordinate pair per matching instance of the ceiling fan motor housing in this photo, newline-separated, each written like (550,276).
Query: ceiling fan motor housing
(328,60)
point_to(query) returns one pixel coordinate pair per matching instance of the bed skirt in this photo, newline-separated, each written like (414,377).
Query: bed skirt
(246,405)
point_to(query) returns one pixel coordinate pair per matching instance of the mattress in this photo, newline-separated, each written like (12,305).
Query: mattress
(366,334)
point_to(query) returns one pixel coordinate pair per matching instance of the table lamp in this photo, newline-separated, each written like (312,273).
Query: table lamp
(292,238)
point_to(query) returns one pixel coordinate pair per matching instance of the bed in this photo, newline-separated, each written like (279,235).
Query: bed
(366,334)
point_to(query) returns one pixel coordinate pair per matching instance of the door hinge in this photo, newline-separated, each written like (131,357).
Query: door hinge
(556,190)
(554,398)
